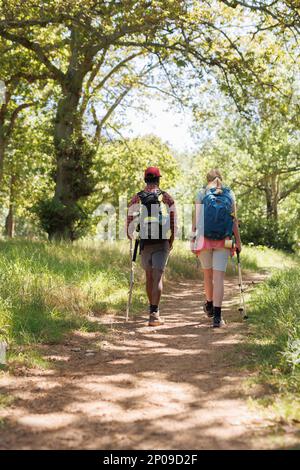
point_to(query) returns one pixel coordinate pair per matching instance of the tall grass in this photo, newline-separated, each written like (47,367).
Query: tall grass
(274,340)
(48,290)
(261,258)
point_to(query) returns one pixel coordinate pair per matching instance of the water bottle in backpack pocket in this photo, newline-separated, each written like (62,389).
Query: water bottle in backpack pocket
(218,213)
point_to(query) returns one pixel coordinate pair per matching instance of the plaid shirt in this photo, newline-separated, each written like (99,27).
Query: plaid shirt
(134,209)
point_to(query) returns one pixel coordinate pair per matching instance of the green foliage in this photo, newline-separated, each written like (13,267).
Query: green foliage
(77,159)
(261,231)
(69,220)
(79,63)
(262,259)
(86,52)
(122,164)
(292,354)
(27,169)
(275,328)
(60,221)
(258,155)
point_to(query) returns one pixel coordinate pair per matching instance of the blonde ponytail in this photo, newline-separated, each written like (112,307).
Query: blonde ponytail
(214,179)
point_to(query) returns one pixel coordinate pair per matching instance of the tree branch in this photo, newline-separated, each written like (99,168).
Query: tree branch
(38,50)
(14,116)
(285,194)
(100,123)
(115,69)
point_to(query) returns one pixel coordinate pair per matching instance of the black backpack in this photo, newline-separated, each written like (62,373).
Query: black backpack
(154,221)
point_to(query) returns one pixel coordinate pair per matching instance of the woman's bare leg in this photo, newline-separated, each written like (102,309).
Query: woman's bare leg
(218,288)
(208,284)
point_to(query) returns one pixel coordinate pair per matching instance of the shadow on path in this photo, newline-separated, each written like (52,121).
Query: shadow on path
(172,387)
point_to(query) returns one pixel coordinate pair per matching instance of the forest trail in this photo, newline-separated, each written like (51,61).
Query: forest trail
(171,387)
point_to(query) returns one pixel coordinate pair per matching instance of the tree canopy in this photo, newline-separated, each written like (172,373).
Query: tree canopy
(72,67)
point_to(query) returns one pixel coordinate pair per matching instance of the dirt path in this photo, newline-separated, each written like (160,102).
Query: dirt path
(173,387)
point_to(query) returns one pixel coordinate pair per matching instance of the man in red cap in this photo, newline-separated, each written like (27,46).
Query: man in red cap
(152,217)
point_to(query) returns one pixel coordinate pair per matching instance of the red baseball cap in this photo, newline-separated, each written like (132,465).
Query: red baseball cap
(152,170)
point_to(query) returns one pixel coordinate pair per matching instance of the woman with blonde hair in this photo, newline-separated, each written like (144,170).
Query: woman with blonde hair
(214,224)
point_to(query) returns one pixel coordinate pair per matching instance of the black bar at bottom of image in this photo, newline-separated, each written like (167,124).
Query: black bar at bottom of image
(134,459)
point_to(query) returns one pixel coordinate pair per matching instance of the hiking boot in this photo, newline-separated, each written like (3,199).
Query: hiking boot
(208,309)
(155,319)
(218,322)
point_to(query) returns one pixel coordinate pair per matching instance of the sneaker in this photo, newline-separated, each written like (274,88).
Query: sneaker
(218,322)
(155,319)
(208,310)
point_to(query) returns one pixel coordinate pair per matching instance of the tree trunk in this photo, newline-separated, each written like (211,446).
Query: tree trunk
(272,197)
(10,222)
(2,149)
(63,216)
(73,179)
(10,218)
(65,129)
(2,155)
(64,136)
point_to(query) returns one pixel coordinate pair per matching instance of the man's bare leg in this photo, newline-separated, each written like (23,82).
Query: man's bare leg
(157,287)
(149,285)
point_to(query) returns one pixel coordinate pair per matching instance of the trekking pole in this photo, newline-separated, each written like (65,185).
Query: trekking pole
(242,307)
(133,255)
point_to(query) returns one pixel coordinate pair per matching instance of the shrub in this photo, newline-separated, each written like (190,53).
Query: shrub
(261,231)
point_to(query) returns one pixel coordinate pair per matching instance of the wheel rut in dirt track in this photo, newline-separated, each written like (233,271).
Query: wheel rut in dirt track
(171,387)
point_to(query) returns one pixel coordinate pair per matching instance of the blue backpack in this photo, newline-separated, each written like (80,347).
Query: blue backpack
(218,217)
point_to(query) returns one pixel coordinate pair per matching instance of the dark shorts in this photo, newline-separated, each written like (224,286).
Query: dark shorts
(155,256)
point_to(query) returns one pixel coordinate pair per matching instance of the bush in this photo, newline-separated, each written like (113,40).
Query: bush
(63,217)
(60,221)
(261,231)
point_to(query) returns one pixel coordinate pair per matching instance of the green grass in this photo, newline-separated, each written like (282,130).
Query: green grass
(261,258)
(49,290)
(273,346)
(182,263)
(254,259)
